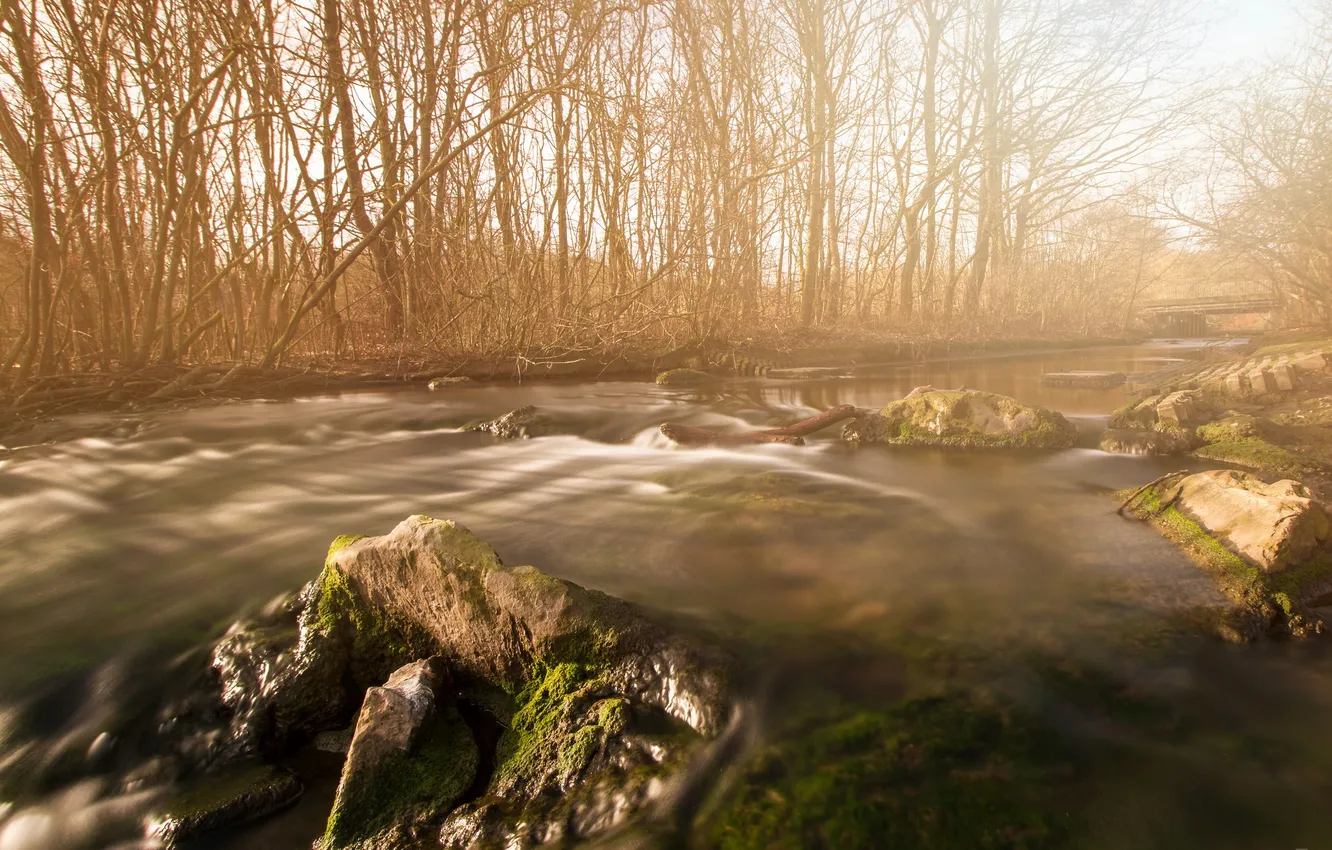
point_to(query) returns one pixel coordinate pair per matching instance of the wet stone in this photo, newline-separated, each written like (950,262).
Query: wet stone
(1083,380)
(1260,382)
(238,796)
(446,382)
(1177,410)
(1283,376)
(1143,441)
(517,424)
(1310,362)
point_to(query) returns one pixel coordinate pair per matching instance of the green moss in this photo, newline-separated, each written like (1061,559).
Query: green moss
(1256,453)
(942,772)
(547,731)
(341,542)
(1244,584)
(380,642)
(1234,426)
(213,793)
(1306,582)
(410,788)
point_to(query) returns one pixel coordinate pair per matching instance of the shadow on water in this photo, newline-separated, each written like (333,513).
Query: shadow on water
(916,597)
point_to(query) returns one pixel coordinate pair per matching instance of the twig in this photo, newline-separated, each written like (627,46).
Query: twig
(1149,485)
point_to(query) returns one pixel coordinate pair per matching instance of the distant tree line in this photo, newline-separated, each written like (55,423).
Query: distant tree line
(1260,187)
(194,180)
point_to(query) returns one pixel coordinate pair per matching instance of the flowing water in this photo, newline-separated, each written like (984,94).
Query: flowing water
(126,551)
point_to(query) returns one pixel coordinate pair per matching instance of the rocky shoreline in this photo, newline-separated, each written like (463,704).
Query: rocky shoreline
(1262,533)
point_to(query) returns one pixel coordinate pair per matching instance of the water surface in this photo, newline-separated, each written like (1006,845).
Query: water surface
(124,551)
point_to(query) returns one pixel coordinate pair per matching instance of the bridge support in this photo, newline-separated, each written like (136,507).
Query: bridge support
(1182,324)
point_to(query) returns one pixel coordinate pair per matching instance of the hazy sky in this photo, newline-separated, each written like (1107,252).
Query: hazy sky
(1250,30)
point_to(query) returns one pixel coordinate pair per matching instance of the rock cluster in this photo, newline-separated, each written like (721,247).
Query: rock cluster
(517,424)
(490,703)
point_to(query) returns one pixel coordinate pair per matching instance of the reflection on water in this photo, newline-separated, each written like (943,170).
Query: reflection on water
(123,551)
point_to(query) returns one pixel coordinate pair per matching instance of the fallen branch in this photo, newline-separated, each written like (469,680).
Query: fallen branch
(805,427)
(793,435)
(688,436)
(1149,485)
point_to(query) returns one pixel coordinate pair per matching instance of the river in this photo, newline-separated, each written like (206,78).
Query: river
(131,541)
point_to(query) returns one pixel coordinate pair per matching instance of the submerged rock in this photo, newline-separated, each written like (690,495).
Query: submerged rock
(962,419)
(684,378)
(446,382)
(238,796)
(1140,441)
(517,424)
(1270,526)
(1084,380)
(932,772)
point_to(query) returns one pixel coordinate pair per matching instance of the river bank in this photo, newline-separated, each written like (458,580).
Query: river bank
(24,409)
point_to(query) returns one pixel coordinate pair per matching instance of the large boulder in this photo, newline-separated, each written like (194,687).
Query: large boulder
(962,419)
(1270,526)
(586,702)
(434,582)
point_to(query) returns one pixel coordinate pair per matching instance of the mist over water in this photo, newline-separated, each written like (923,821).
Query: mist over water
(124,554)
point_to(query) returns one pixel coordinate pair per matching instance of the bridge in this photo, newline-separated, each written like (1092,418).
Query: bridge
(1188,316)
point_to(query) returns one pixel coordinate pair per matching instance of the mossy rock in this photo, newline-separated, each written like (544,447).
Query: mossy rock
(410,791)
(963,419)
(1264,603)
(565,717)
(685,378)
(940,772)
(564,669)
(241,795)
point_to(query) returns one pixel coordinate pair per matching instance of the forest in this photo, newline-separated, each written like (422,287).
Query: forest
(188,181)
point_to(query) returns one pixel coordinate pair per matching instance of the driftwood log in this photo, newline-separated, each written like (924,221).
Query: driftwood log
(794,434)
